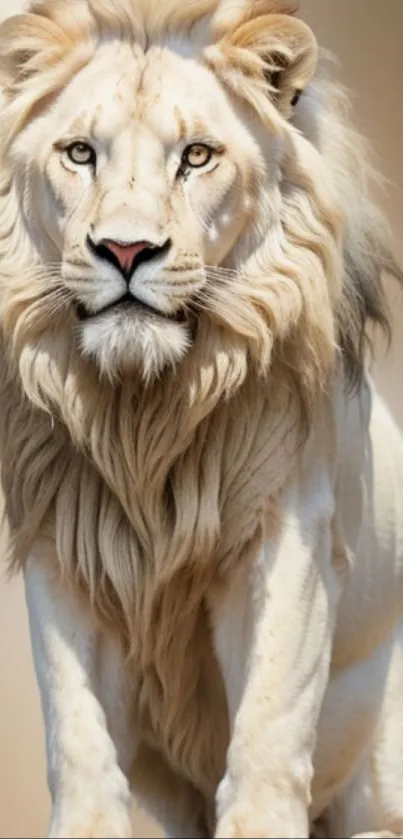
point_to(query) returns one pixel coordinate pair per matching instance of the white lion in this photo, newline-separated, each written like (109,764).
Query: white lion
(210,521)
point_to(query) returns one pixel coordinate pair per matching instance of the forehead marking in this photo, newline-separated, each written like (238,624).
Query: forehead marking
(182,128)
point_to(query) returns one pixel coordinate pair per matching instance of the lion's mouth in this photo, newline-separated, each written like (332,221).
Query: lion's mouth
(128,302)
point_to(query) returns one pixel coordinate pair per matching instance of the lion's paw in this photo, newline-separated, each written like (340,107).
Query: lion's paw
(96,814)
(246,822)
(98,825)
(381,834)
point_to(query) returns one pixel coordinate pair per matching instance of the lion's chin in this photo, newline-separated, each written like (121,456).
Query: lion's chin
(122,343)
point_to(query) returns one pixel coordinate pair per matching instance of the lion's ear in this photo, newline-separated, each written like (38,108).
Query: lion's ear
(26,42)
(13,52)
(37,42)
(274,54)
(39,53)
(230,14)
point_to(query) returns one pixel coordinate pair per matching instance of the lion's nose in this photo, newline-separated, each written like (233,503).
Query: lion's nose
(127,255)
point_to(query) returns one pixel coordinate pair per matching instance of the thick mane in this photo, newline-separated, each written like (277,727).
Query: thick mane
(159,479)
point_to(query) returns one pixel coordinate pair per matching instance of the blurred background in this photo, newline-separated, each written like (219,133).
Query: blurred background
(366,36)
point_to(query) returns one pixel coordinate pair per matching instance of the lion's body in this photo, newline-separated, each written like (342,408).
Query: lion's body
(174,720)
(209,522)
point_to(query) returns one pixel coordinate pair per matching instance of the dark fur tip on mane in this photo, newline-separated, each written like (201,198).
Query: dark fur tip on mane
(369,261)
(365,306)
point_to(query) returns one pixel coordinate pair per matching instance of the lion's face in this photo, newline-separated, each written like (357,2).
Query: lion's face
(140,176)
(157,199)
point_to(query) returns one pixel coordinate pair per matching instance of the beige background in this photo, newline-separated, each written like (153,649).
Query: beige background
(367,37)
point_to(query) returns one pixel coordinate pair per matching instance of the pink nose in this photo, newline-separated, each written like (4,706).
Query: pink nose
(125,253)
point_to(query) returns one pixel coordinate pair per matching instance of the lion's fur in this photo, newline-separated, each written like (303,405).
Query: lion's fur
(157,490)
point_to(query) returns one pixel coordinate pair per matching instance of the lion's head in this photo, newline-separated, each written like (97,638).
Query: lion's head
(159,183)
(171,177)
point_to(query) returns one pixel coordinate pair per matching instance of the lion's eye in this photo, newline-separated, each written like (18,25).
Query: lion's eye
(197,155)
(80,153)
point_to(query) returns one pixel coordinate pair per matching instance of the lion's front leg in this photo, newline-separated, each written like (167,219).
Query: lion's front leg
(90,792)
(280,624)
(380,834)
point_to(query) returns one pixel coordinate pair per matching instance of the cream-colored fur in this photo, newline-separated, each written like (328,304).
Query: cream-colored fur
(210,523)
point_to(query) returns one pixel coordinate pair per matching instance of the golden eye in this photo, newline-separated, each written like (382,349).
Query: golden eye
(197,155)
(80,153)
